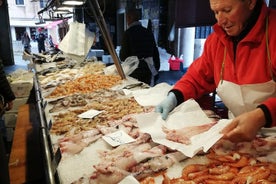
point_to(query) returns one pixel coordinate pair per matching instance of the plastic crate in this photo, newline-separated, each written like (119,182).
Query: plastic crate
(21,89)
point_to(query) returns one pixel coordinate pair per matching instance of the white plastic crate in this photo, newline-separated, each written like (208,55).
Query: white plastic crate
(21,89)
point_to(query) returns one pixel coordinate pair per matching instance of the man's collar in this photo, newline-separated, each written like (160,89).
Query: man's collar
(136,23)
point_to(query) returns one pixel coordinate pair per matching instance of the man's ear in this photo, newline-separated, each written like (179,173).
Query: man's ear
(252,4)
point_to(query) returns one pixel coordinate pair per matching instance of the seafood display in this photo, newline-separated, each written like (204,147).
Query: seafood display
(237,164)
(80,100)
(66,102)
(88,158)
(57,77)
(141,159)
(85,84)
(73,144)
(113,109)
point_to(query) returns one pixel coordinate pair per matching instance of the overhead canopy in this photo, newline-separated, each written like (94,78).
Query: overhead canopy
(192,13)
(272,3)
(54,23)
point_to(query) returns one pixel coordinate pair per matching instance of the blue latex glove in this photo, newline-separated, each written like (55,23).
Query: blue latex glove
(166,105)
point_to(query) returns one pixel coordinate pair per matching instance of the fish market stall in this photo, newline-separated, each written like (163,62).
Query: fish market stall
(100,128)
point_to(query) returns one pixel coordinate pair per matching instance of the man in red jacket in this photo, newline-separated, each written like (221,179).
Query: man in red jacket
(239,63)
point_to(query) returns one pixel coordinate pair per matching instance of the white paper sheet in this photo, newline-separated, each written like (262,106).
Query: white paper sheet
(151,96)
(187,114)
(129,179)
(77,42)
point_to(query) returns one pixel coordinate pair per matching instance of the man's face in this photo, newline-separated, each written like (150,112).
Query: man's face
(232,15)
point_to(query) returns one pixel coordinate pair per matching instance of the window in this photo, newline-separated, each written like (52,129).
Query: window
(42,3)
(19,2)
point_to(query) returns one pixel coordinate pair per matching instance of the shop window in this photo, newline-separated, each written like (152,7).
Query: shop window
(19,2)
(201,32)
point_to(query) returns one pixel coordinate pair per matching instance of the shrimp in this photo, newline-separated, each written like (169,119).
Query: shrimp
(224,176)
(252,175)
(242,162)
(148,180)
(210,181)
(219,169)
(167,180)
(191,169)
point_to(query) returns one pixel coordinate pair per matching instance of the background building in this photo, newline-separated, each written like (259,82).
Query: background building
(23,17)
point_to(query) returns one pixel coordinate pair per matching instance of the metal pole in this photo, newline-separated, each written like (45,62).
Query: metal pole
(47,152)
(95,7)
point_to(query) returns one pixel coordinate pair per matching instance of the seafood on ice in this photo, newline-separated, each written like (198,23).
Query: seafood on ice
(140,159)
(75,143)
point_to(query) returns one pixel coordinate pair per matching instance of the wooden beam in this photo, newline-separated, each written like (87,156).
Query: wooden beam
(18,156)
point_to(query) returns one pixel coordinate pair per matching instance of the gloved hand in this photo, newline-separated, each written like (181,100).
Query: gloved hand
(166,105)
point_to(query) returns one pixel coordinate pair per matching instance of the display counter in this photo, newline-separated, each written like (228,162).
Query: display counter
(84,114)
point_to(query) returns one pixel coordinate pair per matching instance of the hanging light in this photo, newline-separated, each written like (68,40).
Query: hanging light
(72,2)
(57,12)
(64,8)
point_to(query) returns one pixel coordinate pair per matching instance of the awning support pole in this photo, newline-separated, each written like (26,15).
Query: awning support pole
(95,7)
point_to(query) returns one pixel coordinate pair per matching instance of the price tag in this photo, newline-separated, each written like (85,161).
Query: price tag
(118,138)
(89,114)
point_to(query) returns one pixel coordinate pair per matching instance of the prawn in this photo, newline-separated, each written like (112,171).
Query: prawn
(188,170)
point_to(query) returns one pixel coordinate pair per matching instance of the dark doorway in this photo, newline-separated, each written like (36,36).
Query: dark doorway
(19,31)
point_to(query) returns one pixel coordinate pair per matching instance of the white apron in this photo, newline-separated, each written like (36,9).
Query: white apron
(244,98)
(150,63)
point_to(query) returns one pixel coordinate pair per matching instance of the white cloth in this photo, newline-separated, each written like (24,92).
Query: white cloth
(150,63)
(244,98)
(77,41)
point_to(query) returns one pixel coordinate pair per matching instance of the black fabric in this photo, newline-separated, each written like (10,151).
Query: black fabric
(268,117)
(35,171)
(179,96)
(192,13)
(4,160)
(272,3)
(41,42)
(139,41)
(5,89)
(142,73)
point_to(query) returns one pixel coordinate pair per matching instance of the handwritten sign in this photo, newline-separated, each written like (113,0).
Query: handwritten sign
(89,114)
(117,138)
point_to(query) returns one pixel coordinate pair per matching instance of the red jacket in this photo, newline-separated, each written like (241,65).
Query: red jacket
(249,67)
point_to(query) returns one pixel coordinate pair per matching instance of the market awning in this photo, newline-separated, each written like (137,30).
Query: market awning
(54,23)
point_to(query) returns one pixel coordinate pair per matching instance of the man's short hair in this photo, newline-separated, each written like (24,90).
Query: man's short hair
(135,14)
